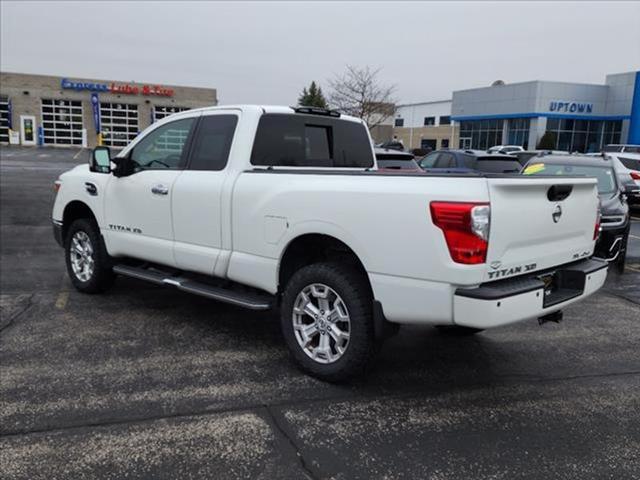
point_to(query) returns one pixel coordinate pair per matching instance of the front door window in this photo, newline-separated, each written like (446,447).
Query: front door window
(163,148)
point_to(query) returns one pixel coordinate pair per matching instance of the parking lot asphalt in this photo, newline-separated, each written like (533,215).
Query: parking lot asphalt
(147,382)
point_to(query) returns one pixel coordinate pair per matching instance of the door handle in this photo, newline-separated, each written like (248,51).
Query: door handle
(160,189)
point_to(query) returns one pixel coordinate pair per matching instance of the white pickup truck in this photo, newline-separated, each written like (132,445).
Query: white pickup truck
(276,207)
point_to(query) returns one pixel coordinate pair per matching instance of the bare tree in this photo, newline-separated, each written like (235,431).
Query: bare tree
(358,92)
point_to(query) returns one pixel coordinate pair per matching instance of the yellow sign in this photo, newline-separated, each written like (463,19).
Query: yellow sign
(533,169)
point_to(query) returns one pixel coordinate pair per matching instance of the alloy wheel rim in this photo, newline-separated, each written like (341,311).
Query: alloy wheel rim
(81,256)
(321,323)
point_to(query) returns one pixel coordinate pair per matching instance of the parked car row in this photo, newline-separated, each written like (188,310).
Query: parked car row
(509,159)
(618,176)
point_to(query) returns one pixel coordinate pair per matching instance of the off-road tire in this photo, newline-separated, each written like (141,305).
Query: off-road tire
(102,276)
(353,288)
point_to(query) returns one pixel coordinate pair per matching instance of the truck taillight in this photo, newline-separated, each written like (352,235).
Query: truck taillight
(635,175)
(466,229)
(596,231)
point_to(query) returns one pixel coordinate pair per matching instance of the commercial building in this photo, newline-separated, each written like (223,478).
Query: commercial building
(64,111)
(578,117)
(425,125)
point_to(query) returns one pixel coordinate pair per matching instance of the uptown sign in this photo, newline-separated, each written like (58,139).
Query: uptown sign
(561,106)
(123,88)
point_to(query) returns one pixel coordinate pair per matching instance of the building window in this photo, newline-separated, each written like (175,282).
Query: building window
(480,134)
(119,123)
(444,143)
(583,135)
(612,130)
(519,132)
(399,122)
(428,144)
(159,112)
(429,121)
(4,119)
(61,122)
(445,120)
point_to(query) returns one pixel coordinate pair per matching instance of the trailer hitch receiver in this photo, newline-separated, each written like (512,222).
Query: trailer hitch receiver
(555,317)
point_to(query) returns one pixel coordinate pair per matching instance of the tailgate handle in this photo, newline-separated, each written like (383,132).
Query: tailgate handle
(557,193)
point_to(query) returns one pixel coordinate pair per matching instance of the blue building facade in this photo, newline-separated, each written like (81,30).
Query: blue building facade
(578,117)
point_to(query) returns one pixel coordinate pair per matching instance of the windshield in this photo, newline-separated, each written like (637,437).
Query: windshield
(605,174)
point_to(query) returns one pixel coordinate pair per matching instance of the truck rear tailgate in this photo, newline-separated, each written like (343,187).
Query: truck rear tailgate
(538,223)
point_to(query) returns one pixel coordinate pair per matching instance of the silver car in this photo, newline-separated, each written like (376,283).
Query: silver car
(627,167)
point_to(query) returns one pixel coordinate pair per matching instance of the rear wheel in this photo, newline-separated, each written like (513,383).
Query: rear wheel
(87,260)
(327,321)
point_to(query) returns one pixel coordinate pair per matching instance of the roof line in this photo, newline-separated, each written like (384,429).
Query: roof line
(422,103)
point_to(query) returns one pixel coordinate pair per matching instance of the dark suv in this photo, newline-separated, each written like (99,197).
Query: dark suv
(460,161)
(614,222)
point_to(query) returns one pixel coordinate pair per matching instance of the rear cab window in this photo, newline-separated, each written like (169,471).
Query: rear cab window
(301,140)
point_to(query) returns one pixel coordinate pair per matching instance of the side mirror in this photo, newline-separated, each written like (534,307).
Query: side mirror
(100,160)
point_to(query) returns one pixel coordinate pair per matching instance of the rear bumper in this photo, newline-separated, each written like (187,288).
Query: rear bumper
(523,298)
(57,231)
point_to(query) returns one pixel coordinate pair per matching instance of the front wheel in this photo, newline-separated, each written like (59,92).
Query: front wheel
(87,261)
(327,321)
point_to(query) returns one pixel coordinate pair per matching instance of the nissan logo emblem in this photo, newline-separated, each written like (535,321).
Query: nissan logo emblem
(557,213)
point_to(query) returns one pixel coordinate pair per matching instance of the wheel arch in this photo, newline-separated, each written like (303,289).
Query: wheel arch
(309,248)
(73,211)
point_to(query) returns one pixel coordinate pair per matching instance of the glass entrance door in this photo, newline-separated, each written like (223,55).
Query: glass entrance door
(27,129)
(465,143)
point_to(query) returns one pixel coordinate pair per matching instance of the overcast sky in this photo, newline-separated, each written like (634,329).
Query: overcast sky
(265,52)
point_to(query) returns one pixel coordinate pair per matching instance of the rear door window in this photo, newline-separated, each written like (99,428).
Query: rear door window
(446,160)
(298,140)
(212,142)
(469,161)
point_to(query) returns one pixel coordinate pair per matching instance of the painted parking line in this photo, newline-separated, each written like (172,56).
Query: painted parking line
(633,269)
(76,155)
(634,236)
(62,299)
